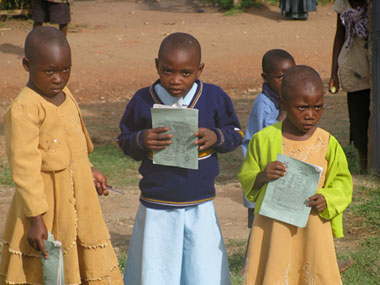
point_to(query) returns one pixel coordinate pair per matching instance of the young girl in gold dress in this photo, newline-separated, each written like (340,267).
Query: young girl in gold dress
(281,253)
(47,147)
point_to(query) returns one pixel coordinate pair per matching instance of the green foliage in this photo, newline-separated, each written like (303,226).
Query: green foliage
(353,160)
(228,4)
(120,169)
(15,4)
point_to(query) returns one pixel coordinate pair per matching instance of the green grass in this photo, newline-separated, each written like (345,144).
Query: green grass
(236,253)
(5,175)
(119,169)
(366,268)
(367,206)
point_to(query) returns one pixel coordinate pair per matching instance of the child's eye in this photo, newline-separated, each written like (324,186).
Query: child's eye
(301,108)
(186,73)
(49,72)
(318,108)
(67,69)
(167,71)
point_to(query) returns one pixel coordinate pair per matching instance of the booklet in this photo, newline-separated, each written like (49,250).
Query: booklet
(53,266)
(182,123)
(286,198)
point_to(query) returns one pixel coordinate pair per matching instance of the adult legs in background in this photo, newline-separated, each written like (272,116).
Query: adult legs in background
(359,113)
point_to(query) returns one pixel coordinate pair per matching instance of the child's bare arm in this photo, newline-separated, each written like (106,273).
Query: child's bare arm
(153,139)
(37,234)
(100,182)
(272,171)
(318,202)
(206,138)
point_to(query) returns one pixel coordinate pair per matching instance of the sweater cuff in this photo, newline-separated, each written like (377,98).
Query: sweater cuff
(220,137)
(139,139)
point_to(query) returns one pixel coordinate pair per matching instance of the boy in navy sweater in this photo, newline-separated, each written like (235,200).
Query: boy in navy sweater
(176,237)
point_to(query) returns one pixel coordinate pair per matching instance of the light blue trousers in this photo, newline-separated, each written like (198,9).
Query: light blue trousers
(177,247)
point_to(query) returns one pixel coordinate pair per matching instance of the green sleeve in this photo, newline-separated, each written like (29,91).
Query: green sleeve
(249,170)
(338,186)
(262,149)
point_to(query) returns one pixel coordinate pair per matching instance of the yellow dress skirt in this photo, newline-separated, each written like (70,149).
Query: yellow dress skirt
(74,217)
(280,253)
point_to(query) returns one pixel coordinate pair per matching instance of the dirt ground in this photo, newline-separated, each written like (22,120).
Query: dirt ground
(114,45)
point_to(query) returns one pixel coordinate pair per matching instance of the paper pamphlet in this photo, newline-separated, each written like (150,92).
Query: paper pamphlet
(53,265)
(182,123)
(286,198)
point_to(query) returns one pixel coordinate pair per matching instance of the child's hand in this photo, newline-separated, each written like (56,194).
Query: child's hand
(272,171)
(154,140)
(100,182)
(318,202)
(37,234)
(206,138)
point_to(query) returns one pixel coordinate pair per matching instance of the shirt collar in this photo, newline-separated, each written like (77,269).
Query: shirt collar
(167,99)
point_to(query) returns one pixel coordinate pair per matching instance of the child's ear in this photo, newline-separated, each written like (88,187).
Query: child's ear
(156,61)
(264,76)
(200,69)
(25,63)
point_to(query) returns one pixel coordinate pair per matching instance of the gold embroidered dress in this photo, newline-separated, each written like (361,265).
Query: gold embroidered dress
(47,149)
(280,253)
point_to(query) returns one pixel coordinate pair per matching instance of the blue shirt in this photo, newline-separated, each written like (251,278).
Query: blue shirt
(263,114)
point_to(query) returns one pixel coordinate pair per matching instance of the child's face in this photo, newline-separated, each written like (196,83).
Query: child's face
(49,73)
(304,109)
(178,70)
(274,78)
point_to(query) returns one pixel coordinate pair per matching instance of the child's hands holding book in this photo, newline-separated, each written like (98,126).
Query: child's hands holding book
(206,138)
(154,140)
(37,233)
(318,202)
(272,171)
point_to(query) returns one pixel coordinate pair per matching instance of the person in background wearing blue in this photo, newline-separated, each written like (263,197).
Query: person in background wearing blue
(297,9)
(266,108)
(176,237)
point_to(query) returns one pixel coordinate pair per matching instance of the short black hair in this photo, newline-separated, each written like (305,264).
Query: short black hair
(300,76)
(182,41)
(40,37)
(274,55)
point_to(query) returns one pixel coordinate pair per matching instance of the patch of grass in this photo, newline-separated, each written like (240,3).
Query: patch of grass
(367,206)
(6,175)
(122,261)
(366,268)
(236,253)
(120,169)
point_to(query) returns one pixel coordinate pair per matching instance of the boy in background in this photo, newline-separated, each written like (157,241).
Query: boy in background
(176,237)
(266,108)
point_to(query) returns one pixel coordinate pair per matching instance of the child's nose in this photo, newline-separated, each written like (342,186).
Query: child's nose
(309,114)
(175,79)
(57,78)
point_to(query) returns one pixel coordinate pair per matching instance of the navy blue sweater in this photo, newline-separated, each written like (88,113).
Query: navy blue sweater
(168,186)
